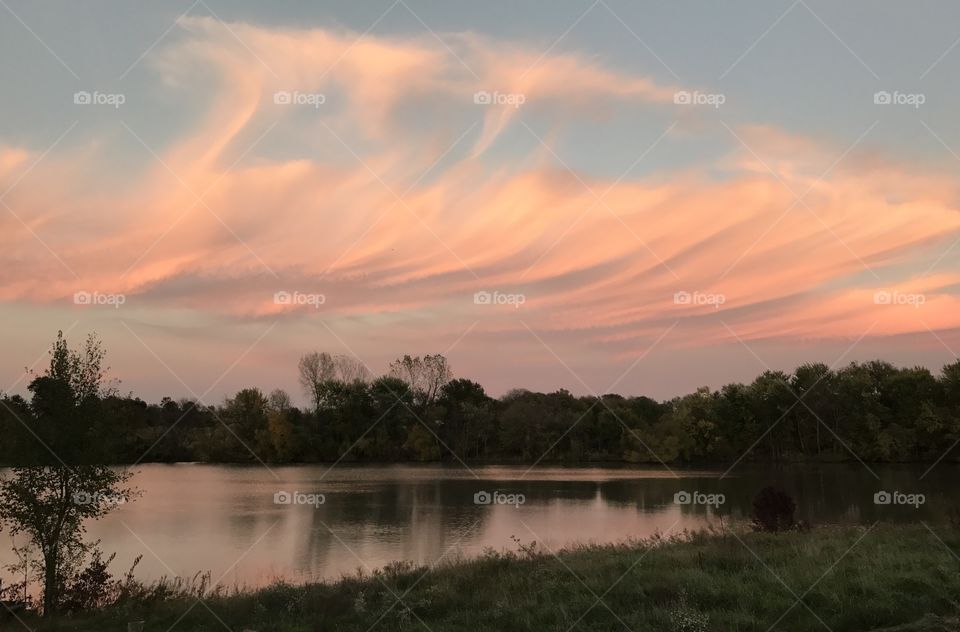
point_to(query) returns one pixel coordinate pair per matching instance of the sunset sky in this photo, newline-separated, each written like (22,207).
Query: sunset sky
(645,245)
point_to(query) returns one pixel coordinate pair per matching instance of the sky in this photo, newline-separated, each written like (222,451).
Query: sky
(602,196)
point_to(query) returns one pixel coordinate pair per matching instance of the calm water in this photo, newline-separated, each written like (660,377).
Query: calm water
(223,519)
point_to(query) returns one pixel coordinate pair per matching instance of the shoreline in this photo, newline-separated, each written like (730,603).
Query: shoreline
(852,578)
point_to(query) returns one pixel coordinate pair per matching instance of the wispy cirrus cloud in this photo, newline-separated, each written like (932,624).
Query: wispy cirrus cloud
(391,199)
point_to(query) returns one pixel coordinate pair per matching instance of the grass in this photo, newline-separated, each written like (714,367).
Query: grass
(895,578)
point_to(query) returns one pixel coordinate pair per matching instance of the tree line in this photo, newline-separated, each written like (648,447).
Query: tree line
(418,411)
(62,441)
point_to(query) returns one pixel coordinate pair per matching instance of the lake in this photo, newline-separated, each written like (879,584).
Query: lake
(236,522)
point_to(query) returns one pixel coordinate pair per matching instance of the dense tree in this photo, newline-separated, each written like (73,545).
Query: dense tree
(462,404)
(871,411)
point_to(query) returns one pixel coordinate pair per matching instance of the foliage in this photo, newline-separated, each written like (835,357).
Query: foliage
(870,411)
(94,586)
(59,480)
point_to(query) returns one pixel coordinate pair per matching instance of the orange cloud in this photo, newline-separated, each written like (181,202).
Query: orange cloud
(385,200)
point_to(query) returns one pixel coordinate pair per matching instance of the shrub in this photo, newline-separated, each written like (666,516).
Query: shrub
(93,587)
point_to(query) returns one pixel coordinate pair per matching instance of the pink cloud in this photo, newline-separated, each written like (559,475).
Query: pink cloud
(328,218)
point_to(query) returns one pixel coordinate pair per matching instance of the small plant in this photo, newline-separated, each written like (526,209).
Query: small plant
(396,569)
(360,603)
(17,594)
(92,587)
(528,550)
(773,511)
(403,615)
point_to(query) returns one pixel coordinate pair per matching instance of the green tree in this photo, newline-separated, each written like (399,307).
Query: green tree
(62,481)
(462,403)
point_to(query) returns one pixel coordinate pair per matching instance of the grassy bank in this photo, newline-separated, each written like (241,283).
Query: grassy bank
(851,579)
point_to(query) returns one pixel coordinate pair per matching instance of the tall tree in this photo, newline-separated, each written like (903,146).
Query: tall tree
(62,480)
(424,375)
(317,370)
(321,372)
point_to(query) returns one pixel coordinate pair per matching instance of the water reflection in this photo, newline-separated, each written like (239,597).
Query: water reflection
(223,519)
